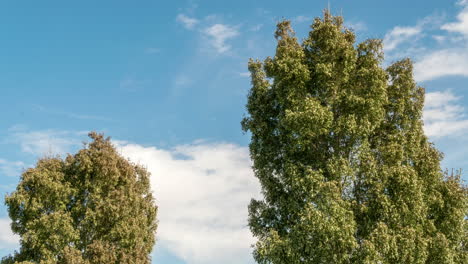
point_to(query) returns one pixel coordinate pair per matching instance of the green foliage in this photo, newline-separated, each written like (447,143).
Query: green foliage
(347,174)
(92,207)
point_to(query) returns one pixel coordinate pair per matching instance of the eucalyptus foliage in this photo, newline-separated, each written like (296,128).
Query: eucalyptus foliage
(347,174)
(92,207)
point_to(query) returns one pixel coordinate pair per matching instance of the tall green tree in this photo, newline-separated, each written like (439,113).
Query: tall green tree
(347,174)
(92,207)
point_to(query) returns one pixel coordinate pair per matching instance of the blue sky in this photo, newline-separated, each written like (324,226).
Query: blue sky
(168,82)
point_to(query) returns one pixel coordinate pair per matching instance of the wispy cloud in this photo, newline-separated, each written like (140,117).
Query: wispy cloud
(461,25)
(214,33)
(219,34)
(443,115)
(399,35)
(440,63)
(11,168)
(187,22)
(451,59)
(202,190)
(403,41)
(46,142)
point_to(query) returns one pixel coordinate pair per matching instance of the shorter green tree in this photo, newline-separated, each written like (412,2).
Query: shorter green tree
(91,207)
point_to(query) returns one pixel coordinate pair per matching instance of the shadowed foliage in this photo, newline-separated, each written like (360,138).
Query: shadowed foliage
(347,174)
(92,207)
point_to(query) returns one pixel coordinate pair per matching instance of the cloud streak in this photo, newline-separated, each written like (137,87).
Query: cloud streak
(443,115)
(461,25)
(215,34)
(187,22)
(11,168)
(219,34)
(46,142)
(441,63)
(399,35)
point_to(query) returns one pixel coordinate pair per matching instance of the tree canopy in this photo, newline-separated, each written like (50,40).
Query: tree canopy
(92,207)
(347,173)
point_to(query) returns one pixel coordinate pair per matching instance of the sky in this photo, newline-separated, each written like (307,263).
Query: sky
(168,81)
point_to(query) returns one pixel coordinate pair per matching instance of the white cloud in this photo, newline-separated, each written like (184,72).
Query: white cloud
(443,116)
(11,168)
(399,35)
(452,58)
(216,34)
(461,25)
(46,142)
(202,191)
(219,34)
(187,22)
(410,36)
(449,57)
(8,240)
(440,63)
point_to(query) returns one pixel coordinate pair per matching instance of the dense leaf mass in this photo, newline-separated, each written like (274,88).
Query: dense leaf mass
(92,207)
(347,174)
